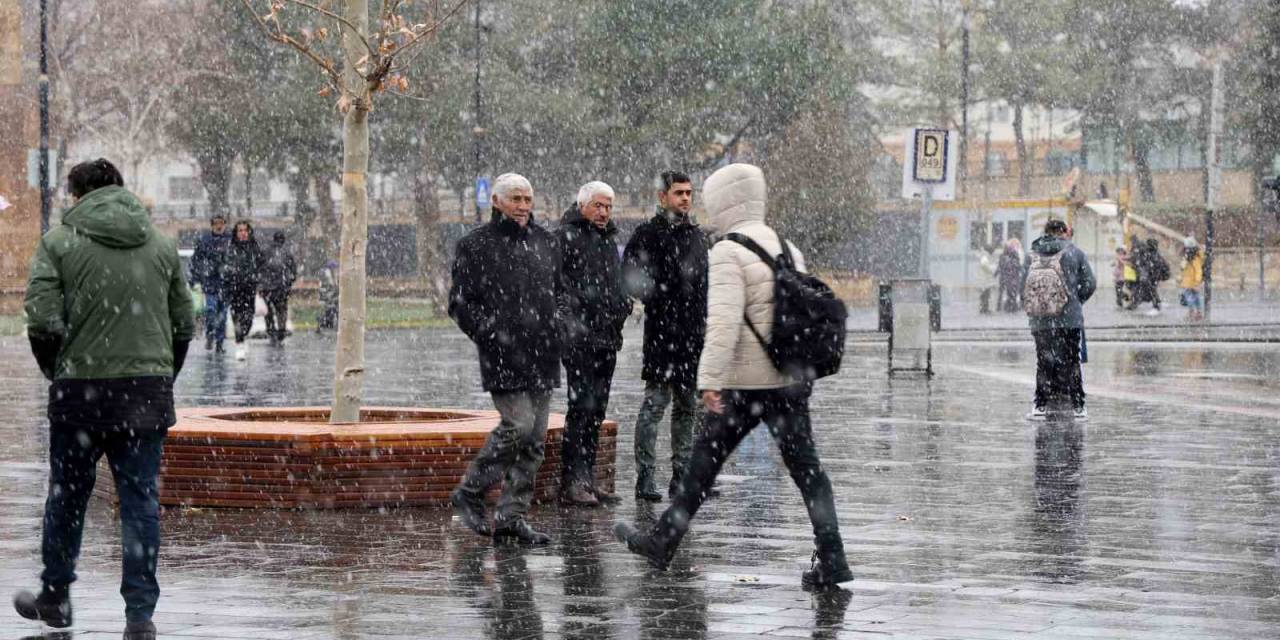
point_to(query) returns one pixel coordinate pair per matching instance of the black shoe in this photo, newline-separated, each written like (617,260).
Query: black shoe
(519,531)
(642,545)
(145,630)
(50,607)
(470,510)
(648,495)
(825,574)
(645,489)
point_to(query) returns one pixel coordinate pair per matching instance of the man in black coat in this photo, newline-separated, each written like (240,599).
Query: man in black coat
(665,267)
(206,271)
(503,296)
(593,307)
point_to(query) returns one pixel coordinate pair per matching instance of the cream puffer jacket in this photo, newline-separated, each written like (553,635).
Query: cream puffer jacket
(739,281)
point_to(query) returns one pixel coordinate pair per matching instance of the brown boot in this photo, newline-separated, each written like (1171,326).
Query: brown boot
(603,496)
(576,494)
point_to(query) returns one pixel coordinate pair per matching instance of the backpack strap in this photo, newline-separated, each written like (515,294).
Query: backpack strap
(755,248)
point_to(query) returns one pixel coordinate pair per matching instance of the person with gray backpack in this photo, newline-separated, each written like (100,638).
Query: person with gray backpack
(1058,283)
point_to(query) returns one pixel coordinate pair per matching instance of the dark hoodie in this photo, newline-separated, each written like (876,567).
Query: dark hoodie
(592,303)
(243,264)
(279,269)
(1079,280)
(110,290)
(665,268)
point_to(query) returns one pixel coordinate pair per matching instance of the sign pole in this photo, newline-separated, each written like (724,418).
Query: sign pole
(927,201)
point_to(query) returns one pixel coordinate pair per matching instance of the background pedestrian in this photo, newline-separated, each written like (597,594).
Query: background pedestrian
(240,273)
(593,308)
(665,268)
(279,272)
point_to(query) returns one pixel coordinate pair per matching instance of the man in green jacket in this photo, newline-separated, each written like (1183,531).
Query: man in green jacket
(109,317)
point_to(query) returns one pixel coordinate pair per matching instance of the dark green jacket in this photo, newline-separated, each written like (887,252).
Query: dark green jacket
(110,289)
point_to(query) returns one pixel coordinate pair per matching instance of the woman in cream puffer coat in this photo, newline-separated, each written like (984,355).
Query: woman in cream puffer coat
(742,389)
(732,357)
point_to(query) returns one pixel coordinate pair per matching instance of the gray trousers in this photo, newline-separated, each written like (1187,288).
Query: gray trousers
(684,417)
(512,453)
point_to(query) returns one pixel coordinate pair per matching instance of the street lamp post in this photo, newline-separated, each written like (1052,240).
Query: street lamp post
(477,129)
(46,204)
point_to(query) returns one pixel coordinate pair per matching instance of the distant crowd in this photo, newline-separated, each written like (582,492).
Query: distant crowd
(1137,273)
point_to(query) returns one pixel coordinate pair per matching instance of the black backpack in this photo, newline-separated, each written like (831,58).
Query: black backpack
(1160,267)
(808,318)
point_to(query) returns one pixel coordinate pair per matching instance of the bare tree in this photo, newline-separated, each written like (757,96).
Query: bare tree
(371,62)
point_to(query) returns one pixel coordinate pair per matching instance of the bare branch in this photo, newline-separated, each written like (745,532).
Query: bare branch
(345,22)
(435,26)
(334,78)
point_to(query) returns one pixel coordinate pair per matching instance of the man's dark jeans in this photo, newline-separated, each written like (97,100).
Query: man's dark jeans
(786,412)
(277,312)
(215,315)
(1058,367)
(134,457)
(589,373)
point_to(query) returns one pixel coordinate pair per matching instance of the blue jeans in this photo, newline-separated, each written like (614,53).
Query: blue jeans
(1191,299)
(134,457)
(215,315)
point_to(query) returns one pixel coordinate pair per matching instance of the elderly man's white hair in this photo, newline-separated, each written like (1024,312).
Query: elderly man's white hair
(508,182)
(593,189)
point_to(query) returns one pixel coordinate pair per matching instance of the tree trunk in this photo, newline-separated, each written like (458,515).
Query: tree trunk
(348,381)
(1024,169)
(1142,165)
(431,255)
(215,176)
(303,214)
(248,190)
(329,227)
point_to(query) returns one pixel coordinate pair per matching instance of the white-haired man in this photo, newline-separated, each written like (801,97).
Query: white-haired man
(503,297)
(593,307)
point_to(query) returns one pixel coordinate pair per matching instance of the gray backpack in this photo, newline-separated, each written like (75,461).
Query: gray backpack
(1045,293)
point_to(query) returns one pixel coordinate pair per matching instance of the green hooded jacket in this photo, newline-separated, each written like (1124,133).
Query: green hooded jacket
(111,289)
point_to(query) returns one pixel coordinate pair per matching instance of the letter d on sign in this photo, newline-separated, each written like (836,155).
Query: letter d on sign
(930,156)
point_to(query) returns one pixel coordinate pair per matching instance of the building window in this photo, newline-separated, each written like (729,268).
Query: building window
(978,236)
(997,164)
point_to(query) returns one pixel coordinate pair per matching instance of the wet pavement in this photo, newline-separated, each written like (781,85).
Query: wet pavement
(961,313)
(1158,518)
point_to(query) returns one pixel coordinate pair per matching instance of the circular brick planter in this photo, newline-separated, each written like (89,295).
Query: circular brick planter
(293,458)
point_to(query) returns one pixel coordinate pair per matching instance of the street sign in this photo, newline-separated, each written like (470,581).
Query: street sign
(931,156)
(930,164)
(33,169)
(483,197)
